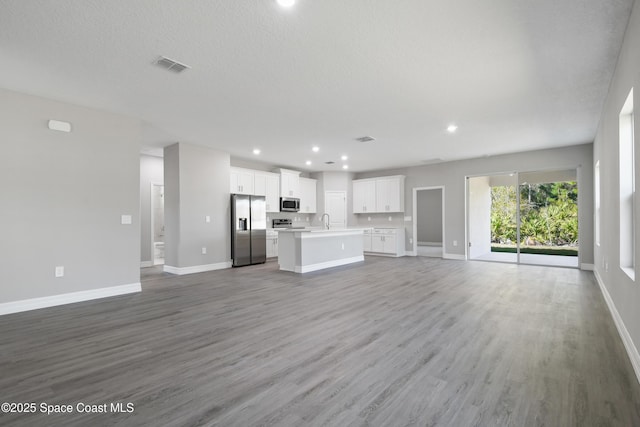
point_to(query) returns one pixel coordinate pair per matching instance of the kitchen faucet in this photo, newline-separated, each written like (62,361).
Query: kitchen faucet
(326,224)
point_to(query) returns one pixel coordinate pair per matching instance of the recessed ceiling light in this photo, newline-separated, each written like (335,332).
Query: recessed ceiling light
(315,149)
(308,163)
(452,128)
(286,3)
(344,158)
(345,166)
(256,151)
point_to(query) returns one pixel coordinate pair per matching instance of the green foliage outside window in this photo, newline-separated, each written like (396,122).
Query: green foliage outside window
(548,212)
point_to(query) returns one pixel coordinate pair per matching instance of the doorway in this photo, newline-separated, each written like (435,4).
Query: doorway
(492,220)
(157,223)
(428,226)
(549,218)
(524,218)
(335,204)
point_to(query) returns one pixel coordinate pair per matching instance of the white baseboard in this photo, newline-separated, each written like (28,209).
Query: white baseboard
(454,256)
(145,264)
(410,253)
(328,264)
(429,243)
(197,268)
(62,299)
(587,267)
(398,255)
(632,351)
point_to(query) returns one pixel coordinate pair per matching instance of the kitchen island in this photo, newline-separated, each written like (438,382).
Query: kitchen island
(305,250)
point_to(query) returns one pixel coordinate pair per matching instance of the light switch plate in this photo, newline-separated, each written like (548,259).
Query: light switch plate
(125,219)
(204,251)
(207,218)
(60,271)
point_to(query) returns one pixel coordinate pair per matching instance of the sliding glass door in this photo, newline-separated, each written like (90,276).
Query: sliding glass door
(549,218)
(526,217)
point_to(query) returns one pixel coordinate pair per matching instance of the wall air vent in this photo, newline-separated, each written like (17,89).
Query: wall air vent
(365,139)
(329,163)
(171,65)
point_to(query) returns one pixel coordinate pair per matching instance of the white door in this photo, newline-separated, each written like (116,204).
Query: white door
(335,204)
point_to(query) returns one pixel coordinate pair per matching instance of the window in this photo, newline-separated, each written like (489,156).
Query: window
(596,184)
(627,189)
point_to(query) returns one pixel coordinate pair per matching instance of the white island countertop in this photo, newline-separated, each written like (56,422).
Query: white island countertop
(302,250)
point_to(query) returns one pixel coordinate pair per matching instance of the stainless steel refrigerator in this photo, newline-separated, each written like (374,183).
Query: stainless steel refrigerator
(248,230)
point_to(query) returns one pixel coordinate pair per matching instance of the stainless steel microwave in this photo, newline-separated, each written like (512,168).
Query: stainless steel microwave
(288,204)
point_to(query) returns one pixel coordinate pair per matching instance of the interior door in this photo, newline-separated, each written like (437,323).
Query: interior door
(335,204)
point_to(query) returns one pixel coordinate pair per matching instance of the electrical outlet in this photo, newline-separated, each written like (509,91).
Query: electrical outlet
(455,243)
(390,219)
(343,246)
(207,218)
(204,251)
(368,218)
(125,219)
(60,271)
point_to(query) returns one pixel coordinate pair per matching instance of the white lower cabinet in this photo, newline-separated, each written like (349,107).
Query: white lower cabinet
(272,245)
(366,241)
(384,241)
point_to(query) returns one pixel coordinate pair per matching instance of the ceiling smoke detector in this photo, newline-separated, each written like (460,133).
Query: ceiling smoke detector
(171,65)
(365,139)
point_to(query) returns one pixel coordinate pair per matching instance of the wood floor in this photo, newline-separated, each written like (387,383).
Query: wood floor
(387,342)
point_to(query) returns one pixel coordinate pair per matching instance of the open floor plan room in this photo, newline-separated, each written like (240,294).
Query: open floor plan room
(411,341)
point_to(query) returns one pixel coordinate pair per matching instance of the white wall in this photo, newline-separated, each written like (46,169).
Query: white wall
(623,292)
(452,176)
(63,195)
(196,186)
(429,215)
(479,216)
(151,171)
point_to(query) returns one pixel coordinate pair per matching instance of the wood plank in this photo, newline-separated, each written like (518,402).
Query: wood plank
(408,341)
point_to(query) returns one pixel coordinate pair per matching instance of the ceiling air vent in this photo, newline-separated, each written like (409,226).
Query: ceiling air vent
(329,163)
(365,139)
(171,65)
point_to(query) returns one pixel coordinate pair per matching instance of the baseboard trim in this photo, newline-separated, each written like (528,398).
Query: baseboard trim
(410,253)
(145,264)
(429,243)
(587,267)
(196,268)
(69,298)
(454,256)
(632,351)
(328,264)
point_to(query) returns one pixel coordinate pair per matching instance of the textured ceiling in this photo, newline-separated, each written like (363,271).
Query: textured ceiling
(514,75)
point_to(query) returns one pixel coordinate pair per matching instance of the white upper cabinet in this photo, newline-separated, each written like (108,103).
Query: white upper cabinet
(390,194)
(378,195)
(364,196)
(289,183)
(267,184)
(241,181)
(308,195)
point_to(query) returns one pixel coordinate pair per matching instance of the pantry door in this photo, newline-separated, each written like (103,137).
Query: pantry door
(335,204)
